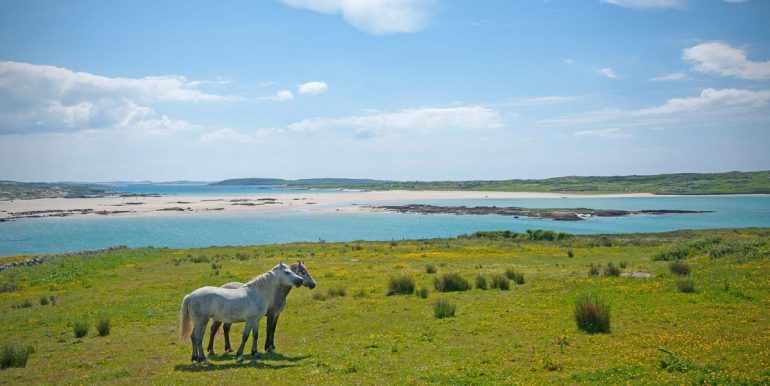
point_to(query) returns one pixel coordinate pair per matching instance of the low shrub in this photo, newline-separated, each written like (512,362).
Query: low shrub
(685,285)
(103,326)
(199,259)
(592,315)
(43,301)
(12,355)
(500,282)
(80,328)
(401,285)
(25,304)
(337,292)
(676,253)
(611,270)
(570,254)
(679,267)
(423,293)
(449,282)
(514,275)
(442,308)
(430,268)
(623,264)
(594,270)
(481,282)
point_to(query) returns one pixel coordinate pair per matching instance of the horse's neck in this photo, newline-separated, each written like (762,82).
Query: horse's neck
(268,289)
(281,292)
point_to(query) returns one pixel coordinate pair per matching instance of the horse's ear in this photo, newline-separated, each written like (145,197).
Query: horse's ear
(281,264)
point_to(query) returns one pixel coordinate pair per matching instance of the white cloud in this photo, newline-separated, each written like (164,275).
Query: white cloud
(544,100)
(40,98)
(280,96)
(570,61)
(608,72)
(710,97)
(721,59)
(604,133)
(412,121)
(313,88)
(647,4)
(378,17)
(225,134)
(669,77)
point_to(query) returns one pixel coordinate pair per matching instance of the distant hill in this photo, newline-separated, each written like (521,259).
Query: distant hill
(681,183)
(10,190)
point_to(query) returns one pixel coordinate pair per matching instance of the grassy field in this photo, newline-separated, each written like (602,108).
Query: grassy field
(681,183)
(527,334)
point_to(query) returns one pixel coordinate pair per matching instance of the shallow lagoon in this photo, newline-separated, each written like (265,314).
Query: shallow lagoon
(54,235)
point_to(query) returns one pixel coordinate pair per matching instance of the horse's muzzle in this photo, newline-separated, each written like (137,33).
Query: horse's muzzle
(298,283)
(311,285)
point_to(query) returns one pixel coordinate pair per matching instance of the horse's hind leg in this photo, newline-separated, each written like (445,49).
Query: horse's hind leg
(226,330)
(214,327)
(255,332)
(197,336)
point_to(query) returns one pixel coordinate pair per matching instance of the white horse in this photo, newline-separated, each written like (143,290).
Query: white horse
(247,303)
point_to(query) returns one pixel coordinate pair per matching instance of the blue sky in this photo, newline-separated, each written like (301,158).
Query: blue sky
(390,89)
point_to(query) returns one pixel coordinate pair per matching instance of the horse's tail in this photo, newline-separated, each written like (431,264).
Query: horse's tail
(185,323)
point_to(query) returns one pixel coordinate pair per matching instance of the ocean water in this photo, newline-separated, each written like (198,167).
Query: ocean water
(55,235)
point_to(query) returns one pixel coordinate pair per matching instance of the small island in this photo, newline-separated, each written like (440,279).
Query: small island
(559,214)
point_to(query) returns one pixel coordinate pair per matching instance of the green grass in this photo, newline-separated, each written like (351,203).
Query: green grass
(12,355)
(401,285)
(495,337)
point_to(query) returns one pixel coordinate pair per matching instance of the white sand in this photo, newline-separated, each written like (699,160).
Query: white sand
(151,206)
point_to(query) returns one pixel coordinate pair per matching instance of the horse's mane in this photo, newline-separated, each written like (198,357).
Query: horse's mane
(264,281)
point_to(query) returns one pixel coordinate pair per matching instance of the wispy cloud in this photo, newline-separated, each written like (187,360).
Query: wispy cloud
(604,133)
(313,88)
(647,4)
(408,121)
(280,96)
(40,98)
(669,77)
(378,17)
(608,72)
(724,60)
(227,135)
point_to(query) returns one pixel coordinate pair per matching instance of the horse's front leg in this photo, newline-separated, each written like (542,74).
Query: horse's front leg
(214,327)
(272,323)
(246,332)
(255,331)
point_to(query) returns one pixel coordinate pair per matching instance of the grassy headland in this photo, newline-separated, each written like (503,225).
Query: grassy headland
(11,190)
(712,323)
(683,183)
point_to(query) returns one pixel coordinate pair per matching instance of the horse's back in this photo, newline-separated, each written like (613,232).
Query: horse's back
(232,285)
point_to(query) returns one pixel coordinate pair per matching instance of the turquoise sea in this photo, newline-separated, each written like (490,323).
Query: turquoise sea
(55,235)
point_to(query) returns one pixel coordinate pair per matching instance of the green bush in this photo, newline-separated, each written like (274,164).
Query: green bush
(442,308)
(25,304)
(611,270)
(449,282)
(594,270)
(103,326)
(685,285)
(337,292)
(514,275)
(679,267)
(80,328)
(401,285)
(423,293)
(570,254)
(592,315)
(481,282)
(430,268)
(501,282)
(676,253)
(12,355)
(43,300)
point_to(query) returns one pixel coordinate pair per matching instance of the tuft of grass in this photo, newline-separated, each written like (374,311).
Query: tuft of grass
(679,267)
(514,275)
(103,326)
(449,282)
(337,292)
(592,314)
(430,268)
(12,355)
(199,259)
(360,294)
(80,328)
(501,282)
(25,304)
(443,308)
(401,285)
(423,293)
(318,296)
(52,299)
(611,270)
(481,282)
(594,270)
(685,285)
(623,264)
(43,301)
(570,254)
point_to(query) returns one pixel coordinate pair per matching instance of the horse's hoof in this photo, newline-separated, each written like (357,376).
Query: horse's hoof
(212,353)
(229,349)
(240,359)
(270,350)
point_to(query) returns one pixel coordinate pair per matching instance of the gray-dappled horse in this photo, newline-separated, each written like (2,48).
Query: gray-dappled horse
(274,310)
(247,303)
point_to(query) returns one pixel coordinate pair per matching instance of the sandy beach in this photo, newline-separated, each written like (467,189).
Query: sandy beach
(186,205)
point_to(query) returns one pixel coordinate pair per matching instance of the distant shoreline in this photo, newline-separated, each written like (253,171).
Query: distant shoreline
(344,201)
